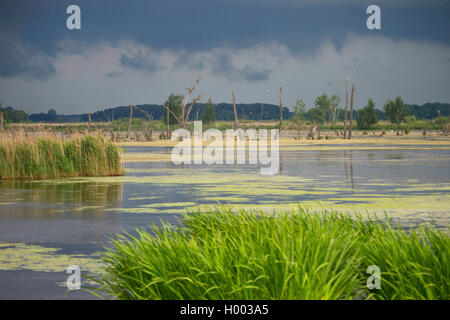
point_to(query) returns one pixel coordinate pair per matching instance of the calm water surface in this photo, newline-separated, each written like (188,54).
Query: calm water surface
(46,226)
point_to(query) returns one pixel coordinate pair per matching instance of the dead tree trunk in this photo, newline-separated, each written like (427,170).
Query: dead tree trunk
(351,112)
(346,107)
(281,109)
(111,131)
(168,125)
(148,130)
(444,132)
(311,133)
(89,123)
(131,120)
(236,123)
(149,138)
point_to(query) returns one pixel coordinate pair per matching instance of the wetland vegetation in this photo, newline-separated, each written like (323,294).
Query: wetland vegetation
(220,254)
(43,157)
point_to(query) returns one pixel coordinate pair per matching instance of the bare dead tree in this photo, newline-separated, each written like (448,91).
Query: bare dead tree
(131,120)
(346,106)
(236,122)
(351,112)
(281,109)
(443,129)
(424,129)
(168,124)
(89,122)
(150,133)
(111,130)
(148,130)
(311,133)
(182,119)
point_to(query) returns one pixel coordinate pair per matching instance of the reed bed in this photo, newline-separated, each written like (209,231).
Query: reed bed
(47,156)
(219,254)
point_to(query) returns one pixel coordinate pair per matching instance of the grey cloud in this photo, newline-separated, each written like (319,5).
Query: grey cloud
(141,61)
(222,65)
(393,69)
(113,74)
(190,61)
(251,74)
(19,58)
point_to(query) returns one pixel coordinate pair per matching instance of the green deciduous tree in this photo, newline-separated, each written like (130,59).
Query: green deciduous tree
(315,115)
(367,116)
(323,106)
(12,115)
(334,105)
(208,115)
(173,103)
(396,111)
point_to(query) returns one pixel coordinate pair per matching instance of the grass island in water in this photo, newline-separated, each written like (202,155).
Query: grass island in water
(222,254)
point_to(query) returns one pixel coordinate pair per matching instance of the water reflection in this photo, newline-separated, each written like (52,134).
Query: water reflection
(80,215)
(49,196)
(348,164)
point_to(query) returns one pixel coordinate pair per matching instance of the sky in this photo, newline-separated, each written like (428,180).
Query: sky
(137,52)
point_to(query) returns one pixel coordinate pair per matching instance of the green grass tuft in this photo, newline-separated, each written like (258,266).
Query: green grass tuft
(219,254)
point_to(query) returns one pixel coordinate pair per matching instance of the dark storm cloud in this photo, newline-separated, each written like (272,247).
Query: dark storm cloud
(251,44)
(198,25)
(20,59)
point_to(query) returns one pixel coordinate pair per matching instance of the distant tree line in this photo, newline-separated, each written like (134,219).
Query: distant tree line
(325,110)
(12,115)
(222,112)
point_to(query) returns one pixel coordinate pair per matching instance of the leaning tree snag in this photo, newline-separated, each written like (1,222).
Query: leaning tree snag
(185,111)
(236,123)
(351,112)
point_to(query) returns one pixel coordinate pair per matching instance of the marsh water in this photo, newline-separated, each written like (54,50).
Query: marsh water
(45,226)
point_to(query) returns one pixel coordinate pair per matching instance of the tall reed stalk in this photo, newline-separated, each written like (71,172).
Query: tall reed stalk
(25,157)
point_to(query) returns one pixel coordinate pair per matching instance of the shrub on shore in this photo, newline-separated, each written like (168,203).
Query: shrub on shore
(219,254)
(23,157)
